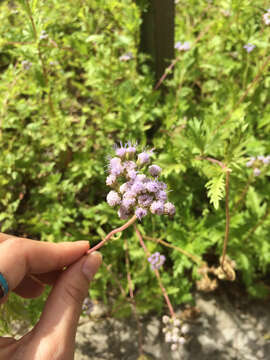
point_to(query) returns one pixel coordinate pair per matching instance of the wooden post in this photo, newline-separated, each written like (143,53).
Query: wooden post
(157,34)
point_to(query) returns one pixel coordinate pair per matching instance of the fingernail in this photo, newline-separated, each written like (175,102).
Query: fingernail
(91,264)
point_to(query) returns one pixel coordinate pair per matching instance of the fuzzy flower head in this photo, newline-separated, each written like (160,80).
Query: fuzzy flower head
(182,46)
(126,57)
(175,332)
(249,47)
(156,260)
(135,185)
(266,17)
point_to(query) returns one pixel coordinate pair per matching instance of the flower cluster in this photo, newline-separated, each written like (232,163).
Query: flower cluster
(87,306)
(175,332)
(26,64)
(156,260)
(249,47)
(43,35)
(133,191)
(182,46)
(266,17)
(257,162)
(126,57)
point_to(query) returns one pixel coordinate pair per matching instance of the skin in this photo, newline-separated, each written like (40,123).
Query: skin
(28,265)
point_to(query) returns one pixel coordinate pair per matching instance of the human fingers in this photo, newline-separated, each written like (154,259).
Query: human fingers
(29,287)
(19,257)
(59,319)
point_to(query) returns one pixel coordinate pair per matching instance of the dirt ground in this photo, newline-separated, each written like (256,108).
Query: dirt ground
(230,327)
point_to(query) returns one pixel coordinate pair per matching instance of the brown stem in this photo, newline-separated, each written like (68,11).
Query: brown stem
(121,228)
(164,292)
(212,160)
(132,300)
(184,252)
(227,229)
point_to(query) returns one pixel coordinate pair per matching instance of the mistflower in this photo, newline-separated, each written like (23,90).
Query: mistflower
(266,17)
(43,35)
(140,212)
(156,260)
(182,46)
(113,198)
(174,331)
(134,191)
(256,172)
(126,57)
(250,162)
(266,160)
(87,306)
(249,47)
(154,170)
(169,208)
(143,158)
(157,207)
(110,180)
(26,64)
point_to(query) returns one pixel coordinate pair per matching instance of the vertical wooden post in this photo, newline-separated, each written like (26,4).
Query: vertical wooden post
(157,34)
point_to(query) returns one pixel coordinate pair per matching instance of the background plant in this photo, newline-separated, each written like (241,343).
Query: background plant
(67,97)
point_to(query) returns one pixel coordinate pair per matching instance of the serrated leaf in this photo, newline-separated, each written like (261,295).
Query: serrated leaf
(216,190)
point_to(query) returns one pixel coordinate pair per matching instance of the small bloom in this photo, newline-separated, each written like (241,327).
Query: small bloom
(256,172)
(129,165)
(140,212)
(43,35)
(113,198)
(131,148)
(156,260)
(174,347)
(154,170)
(124,188)
(110,180)
(165,319)
(169,208)
(181,340)
(260,157)
(145,200)
(87,306)
(126,57)
(120,151)
(26,64)
(185,329)
(115,166)
(182,46)
(266,17)
(250,162)
(123,213)
(157,207)
(128,202)
(132,174)
(152,186)
(266,160)
(138,187)
(161,195)
(249,47)
(143,158)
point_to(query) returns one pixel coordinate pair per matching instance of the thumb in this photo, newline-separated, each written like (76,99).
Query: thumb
(59,320)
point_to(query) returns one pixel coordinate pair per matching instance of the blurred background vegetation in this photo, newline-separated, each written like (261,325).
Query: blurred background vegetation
(74,82)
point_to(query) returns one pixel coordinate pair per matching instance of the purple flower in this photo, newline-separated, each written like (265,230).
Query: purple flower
(131,148)
(154,170)
(256,172)
(120,151)
(152,186)
(260,157)
(266,17)
(161,195)
(157,207)
(43,35)
(129,194)
(143,158)
(110,180)
(129,165)
(138,187)
(250,162)
(128,202)
(156,260)
(169,208)
(87,306)
(132,174)
(115,166)
(123,213)
(266,160)
(145,200)
(124,188)
(249,47)
(126,57)
(182,46)
(140,212)
(26,64)
(142,178)
(113,198)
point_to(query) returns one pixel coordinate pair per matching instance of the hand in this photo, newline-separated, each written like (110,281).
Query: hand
(27,265)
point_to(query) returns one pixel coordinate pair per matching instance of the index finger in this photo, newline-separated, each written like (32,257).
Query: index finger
(20,256)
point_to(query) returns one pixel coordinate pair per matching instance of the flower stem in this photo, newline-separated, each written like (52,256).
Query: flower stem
(227,229)
(165,294)
(121,228)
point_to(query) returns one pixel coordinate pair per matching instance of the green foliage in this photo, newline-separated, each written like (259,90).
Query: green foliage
(66,98)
